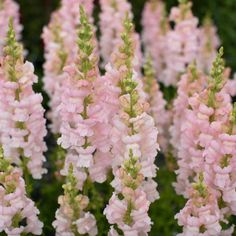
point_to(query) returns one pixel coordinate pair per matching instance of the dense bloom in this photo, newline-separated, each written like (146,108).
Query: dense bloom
(182,43)
(15,206)
(207,153)
(60,42)
(22,125)
(201,214)
(8,9)
(84,132)
(131,215)
(157,104)
(209,42)
(70,217)
(155,28)
(111,25)
(191,82)
(134,145)
(83,127)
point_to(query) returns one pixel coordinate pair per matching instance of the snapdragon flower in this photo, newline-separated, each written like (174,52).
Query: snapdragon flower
(22,123)
(182,43)
(60,40)
(209,42)
(157,104)
(9,9)
(155,27)
(191,82)
(71,219)
(18,212)
(134,146)
(207,150)
(111,19)
(84,126)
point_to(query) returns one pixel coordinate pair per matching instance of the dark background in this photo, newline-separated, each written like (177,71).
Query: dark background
(34,15)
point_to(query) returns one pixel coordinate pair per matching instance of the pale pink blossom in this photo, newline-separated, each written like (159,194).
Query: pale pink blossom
(112,15)
(60,42)
(157,105)
(182,44)
(134,143)
(87,225)
(200,216)
(207,152)
(84,133)
(155,28)
(22,128)
(16,206)
(9,9)
(140,221)
(190,82)
(209,43)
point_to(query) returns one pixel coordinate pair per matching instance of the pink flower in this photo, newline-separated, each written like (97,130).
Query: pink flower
(111,18)
(60,40)
(155,28)
(87,225)
(8,9)
(134,143)
(22,128)
(117,209)
(191,82)
(209,42)
(111,24)
(200,216)
(181,44)
(207,152)
(15,205)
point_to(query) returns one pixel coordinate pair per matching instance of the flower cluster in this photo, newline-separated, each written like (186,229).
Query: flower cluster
(8,9)
(209,42)
(84,125)
(177,42)
(207,153)
(22,125)
(191,82)
(111,18)
(182,43)
(134,146)
(70,217)
(18,213)
(60,40)
(155,27)
(157,104)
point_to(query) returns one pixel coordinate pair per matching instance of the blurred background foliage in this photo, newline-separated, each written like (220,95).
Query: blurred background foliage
(34,15)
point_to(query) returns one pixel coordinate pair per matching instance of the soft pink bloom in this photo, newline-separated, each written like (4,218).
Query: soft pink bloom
(16,202)
(155,28)
(111,25)
(231,86)
(87,225)
(209,43)
(60,42)
(22,128)
(200,216)
(181,44)
(117,209)
(134,140)
(187,86)
(8,9)
(207,149)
